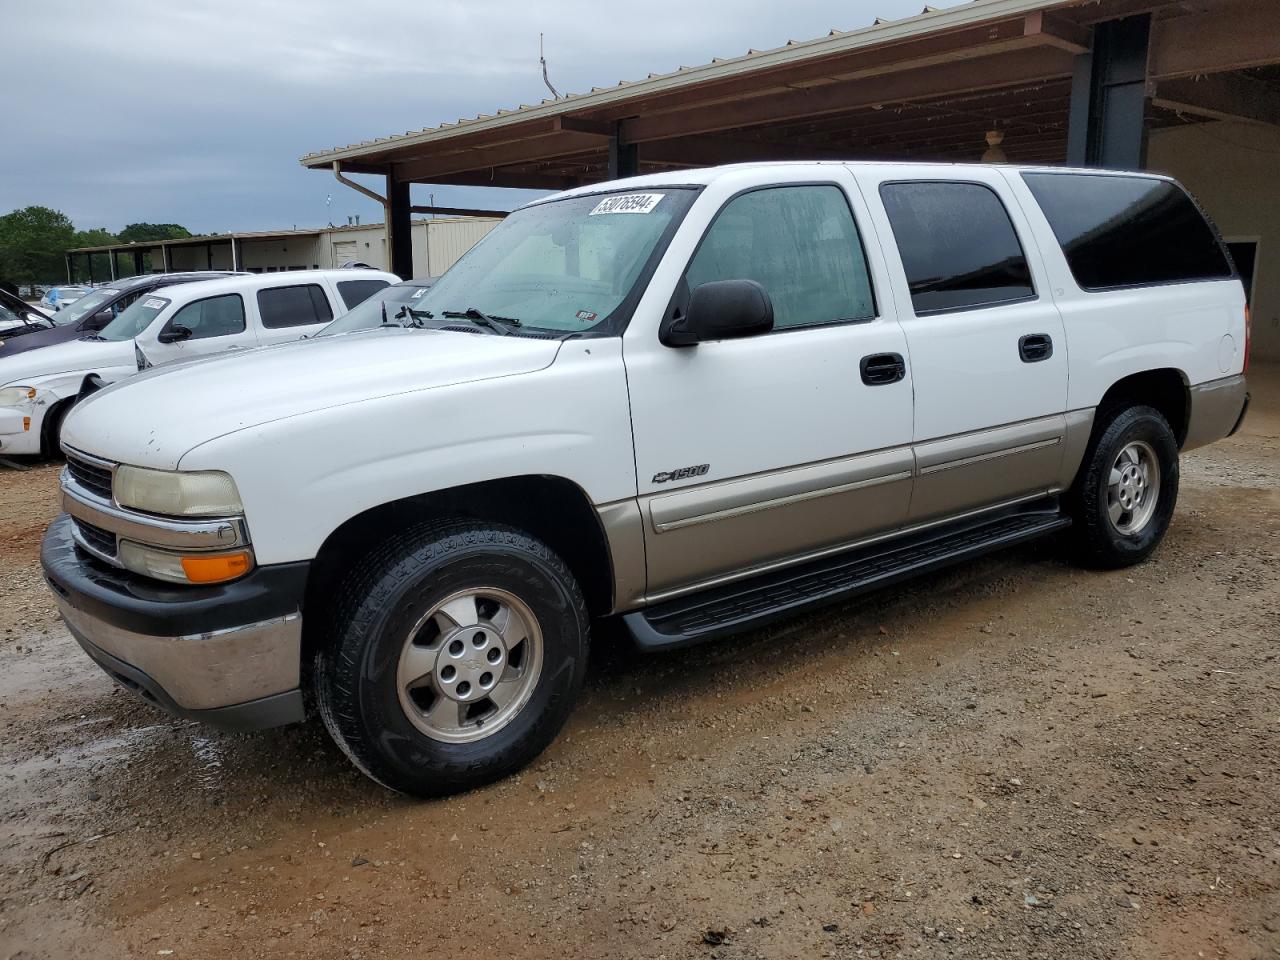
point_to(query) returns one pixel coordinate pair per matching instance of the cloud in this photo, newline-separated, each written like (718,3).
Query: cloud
(197,112)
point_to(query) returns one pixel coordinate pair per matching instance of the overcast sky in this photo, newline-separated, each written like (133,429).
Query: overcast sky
(196,111)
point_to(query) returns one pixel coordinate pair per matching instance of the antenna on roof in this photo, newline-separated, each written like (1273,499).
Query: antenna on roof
(545,79)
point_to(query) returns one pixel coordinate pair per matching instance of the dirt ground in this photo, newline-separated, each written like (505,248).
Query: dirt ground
(1015,758)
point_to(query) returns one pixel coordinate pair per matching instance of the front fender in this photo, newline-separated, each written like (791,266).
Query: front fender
(302,477)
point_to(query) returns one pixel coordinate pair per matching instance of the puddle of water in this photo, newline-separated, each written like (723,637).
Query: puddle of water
(209,756)
(109,750)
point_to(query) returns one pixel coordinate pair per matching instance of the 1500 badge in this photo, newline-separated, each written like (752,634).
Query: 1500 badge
(684,473)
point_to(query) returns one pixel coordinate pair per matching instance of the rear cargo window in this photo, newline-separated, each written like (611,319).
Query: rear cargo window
(1128,231)
(958,246)
(297,306)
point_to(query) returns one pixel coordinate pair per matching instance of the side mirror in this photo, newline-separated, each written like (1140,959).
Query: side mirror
(174,333)
(98,321)
(722,310)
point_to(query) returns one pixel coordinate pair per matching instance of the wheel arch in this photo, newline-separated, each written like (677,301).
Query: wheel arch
(553,509)
(1167,389)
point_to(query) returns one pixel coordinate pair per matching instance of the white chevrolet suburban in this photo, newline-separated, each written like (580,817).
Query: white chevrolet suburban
(698,401)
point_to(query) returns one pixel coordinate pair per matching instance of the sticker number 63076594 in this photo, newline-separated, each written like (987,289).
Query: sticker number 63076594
(628,203)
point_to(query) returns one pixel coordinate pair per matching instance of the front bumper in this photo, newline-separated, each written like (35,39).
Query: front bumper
(20,429)
(228,654)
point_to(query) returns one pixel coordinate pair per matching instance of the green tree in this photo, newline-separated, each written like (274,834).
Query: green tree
(97,237)
(33,242)
(140,232)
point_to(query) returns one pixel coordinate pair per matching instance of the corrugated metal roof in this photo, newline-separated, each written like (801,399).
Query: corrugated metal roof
(836,41)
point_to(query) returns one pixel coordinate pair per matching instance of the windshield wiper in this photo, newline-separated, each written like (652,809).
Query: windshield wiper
(502,325)
(413,315)
(406,312)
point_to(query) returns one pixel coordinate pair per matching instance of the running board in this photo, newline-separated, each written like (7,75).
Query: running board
(720,611)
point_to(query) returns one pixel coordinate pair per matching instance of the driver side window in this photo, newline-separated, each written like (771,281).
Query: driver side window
(214,317)
(801,244)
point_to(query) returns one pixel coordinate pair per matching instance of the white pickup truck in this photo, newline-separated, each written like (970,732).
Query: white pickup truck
(698,401)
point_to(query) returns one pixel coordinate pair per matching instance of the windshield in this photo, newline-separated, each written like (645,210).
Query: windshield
(564,266)
(84,306)
(368,314)
(134,320)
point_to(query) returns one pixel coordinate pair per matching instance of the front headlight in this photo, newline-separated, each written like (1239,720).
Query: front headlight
(175,494)
(15,396)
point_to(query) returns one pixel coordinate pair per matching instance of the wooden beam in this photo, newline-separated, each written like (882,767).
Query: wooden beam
(519,179)
(1056,31)
(1233,35)
(705,151)
(1220,96)
(597,128)
(482,158)
(988,73)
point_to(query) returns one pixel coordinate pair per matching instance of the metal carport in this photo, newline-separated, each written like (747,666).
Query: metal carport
(1080,81)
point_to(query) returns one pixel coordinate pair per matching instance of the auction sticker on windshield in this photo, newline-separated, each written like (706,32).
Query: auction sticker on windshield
(628,203)
(155,303)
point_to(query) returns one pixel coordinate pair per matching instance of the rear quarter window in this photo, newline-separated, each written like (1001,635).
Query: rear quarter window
(1128,231)
(958,246)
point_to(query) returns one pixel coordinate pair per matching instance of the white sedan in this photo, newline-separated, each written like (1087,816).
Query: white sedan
(187,322)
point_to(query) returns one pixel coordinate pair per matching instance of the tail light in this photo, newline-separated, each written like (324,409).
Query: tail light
(1248,336)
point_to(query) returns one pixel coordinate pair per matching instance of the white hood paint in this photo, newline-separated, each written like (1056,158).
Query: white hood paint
(155,418)
(74,356)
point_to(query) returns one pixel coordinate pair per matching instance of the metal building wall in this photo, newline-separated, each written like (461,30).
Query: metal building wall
(446,241)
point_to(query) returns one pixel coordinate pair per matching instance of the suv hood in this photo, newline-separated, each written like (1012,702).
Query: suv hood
(156,417)
(75,356)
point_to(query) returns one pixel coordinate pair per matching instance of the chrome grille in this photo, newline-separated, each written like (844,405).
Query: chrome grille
(103,541)
(93,477)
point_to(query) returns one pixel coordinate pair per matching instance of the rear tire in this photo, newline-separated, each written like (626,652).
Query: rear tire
(457,653)
(1124,498)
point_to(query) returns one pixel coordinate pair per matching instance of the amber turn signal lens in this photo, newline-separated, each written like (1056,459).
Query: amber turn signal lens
(226,566)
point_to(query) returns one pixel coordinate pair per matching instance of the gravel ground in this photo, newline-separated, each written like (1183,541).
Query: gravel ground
(1015,758)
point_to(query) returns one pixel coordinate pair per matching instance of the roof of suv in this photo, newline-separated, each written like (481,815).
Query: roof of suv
(702,176)
(248,282)
(160,279)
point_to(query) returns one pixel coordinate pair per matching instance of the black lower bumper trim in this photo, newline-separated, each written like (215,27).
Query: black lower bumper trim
(145,606)
(276,710)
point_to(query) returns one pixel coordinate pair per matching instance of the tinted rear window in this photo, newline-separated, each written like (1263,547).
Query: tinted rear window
(1128,231)
(358,291)
(958,246)
(294,306)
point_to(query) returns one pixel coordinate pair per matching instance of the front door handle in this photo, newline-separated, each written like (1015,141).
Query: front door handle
(878,369)
(1035,347)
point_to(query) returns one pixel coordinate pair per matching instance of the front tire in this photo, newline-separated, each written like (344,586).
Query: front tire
(1124,498)
(458,652)
(50,439)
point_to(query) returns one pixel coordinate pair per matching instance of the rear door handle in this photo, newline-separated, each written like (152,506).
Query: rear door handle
(878,369)
(1035,347)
